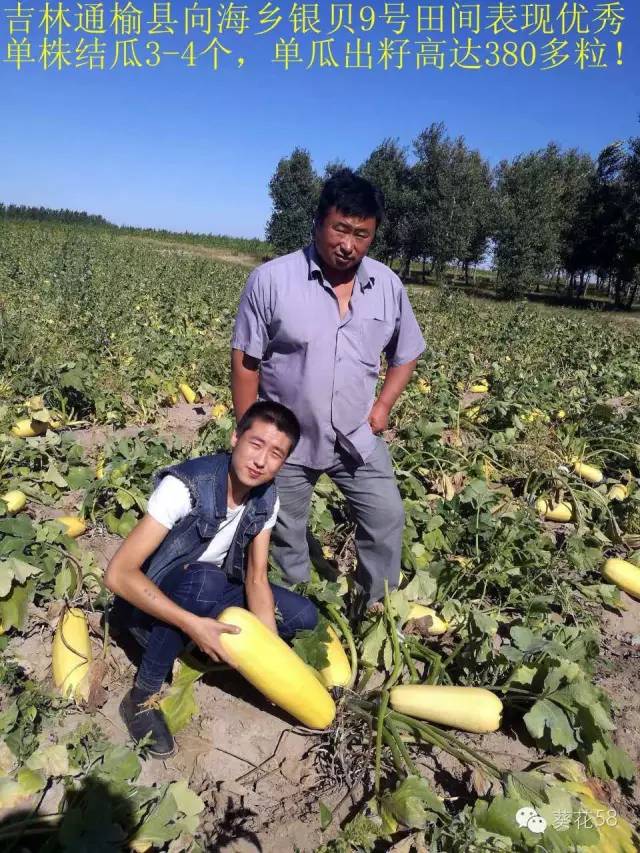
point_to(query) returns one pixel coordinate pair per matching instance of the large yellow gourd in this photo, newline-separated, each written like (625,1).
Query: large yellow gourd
(187,392)
(623,574)
(74,525)
(337,673)
(561,512)
(15,501)
(472,709)
(618,492)
(71,653)
(588,473)
(26,428)
(437,626)
(276,670)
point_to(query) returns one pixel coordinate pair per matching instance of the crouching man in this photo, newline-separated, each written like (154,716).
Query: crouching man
(201,547)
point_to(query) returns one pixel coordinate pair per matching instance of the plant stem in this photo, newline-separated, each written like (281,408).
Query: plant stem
(450,743)
(415,678)
(382,709)
(397,656)
(403,749)
(396,754)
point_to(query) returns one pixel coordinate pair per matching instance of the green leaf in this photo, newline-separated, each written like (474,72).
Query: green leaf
(13,607)
(119,764)
(53,475)
(413,804)
(179,706)
(610,761)
(422,586)
(126,524)
(175,813)
(112,522)
(546,715)
(372,643)
(20,526)
(31,781)
(53,761)
(499,816)
(8,718)
(326,815)
(125,500)
(186,801)
(13,569)
(523,675)
(65,581)
(80,477)
(311,646)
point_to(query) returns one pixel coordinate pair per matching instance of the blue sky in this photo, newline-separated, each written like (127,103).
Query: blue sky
(193,148)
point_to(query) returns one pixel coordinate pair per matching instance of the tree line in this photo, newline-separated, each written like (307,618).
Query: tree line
(41,214)
(552,218)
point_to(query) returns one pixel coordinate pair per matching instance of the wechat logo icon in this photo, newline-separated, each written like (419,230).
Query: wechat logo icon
(527,817)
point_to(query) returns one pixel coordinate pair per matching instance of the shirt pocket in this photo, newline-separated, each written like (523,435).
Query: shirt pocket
(375,334)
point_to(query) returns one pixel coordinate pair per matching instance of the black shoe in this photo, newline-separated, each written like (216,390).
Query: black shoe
(141,720)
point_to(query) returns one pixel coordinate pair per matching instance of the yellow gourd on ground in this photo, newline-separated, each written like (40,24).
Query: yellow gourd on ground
(276,670)
(188,393)
(618,492)
(472,413)
(472,709)
(588,473)
(337,673)
(26,428)
(437,625)
(480,387)
(71,653)
(74,525)
(561,512)
(624,575)
(219,411)
(15,500)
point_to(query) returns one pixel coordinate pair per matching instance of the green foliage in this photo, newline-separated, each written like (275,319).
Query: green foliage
(294,189)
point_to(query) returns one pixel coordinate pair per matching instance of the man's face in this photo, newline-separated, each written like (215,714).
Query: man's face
(259,453)
(342,241)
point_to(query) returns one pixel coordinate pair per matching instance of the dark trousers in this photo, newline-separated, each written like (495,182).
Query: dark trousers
(203,589)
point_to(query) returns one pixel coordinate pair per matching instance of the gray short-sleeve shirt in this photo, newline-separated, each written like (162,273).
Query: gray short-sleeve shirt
(322,367)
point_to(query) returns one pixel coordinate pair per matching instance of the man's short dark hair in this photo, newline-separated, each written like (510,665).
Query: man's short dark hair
(272,413)
(352,195)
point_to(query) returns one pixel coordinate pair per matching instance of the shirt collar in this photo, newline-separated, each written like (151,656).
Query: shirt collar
(363,274)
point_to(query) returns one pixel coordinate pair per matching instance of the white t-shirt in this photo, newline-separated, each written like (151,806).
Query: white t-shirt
(171,501)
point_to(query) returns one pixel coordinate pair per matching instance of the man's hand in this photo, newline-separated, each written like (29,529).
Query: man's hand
(205,633)
(379,417)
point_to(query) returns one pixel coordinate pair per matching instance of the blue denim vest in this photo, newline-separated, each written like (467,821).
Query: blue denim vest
(206,479)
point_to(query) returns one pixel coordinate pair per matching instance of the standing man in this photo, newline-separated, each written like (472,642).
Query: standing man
(310,329)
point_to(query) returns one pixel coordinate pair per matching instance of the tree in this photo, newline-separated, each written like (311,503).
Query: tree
(388,169)
(452,192)
(528,228)
(294,189)
(332,168)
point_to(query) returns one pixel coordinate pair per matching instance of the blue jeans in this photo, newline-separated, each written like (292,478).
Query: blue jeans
(203,589)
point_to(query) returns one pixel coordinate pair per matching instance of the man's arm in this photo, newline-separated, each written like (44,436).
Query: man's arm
(245,377)
(394,384)
(259,595)
(125,577)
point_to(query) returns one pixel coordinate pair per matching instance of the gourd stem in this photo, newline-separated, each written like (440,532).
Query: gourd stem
(382,710)
(397,655)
